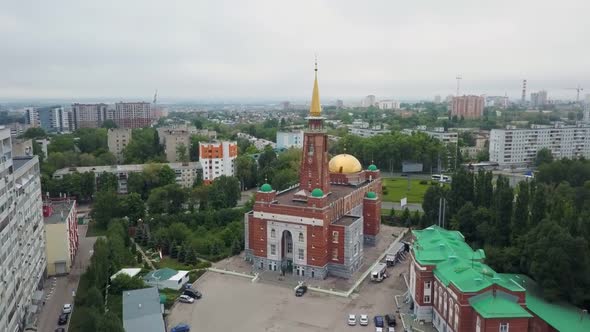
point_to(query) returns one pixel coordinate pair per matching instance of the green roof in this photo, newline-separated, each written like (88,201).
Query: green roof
(560,315)
(372,167)
(436,244)
(500,305)
(159,275)
(266,188)
(371,194)
(317,192)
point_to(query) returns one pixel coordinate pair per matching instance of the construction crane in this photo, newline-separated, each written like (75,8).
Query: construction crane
(578,89)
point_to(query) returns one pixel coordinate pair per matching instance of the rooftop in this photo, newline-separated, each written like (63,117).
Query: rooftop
(336,192)
(161,275)
(498,305)
(142,311)
(19,162)
(121,168)
(61,210)
(346,220)
(435,244)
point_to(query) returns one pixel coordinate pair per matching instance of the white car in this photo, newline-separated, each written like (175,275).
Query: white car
(364,320)
(391,329)
(351,320)
(66,309)
(378,329)
(186,299)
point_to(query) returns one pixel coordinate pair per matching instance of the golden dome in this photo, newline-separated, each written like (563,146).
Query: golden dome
(344,163)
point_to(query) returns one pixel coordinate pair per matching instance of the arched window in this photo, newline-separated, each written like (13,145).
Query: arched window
(456,324)
(450,310)
(300,237)
(445,306)
(439,299)
(434,298)
(272,233)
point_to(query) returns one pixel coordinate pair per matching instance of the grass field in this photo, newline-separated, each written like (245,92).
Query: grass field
(397,188)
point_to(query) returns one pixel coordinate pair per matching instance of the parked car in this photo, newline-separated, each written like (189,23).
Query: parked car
(186,299)
(364,320)
(378,329)
(390,319)
(181,328)
(59,329)
(300,290)
(391,329)
(63,319)
(66,309)
(195,294)
(379,321)
(351,319)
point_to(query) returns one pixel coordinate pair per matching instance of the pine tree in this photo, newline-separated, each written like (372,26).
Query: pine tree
(138,234)
(173,250)
(181,254)
(189,257)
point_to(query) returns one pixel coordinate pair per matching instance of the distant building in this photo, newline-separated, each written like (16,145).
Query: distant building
(259,143)
(133,115)
(166,278)
(388,105)
(217,159)
(285,105)
(17,128)
(186,173)
(118,139)
(43,143)
(173,137)
(539,99)
(368,101)
(289,139)
(439,133)
(468,107)
(367,132)
(51,119)
(437,99)
(339,104)
(88,115)
(61,234)
(520,146)
(143,311)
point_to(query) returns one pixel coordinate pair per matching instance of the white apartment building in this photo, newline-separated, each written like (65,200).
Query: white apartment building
(520,146)
(186,173)
(388,104)
(439,133)
(22,239)
(217,159)
(118,139)
(289,139)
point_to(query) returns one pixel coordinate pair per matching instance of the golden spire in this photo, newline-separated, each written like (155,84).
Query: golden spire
(316,107)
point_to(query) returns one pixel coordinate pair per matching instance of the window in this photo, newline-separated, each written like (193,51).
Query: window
(356,249)
(301,253)
(439,299)
(450,309)
(456,323)
(273,249)
(335,254)
(427,285)
(504,327)
(335,237)
(300,237)
(273,233)
(445,306)
(426,298)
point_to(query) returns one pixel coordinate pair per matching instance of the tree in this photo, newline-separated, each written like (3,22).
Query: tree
(105,208)
(94,299)
(224,192)
(109,322)
(109,124)
(544,156)
(406,218)
(166,175)
(133,207)
(174,250)
(34,133)
(144,147)
(61,143)
(107,182)
(246,171)
(91,140)
(124,282)
(464,222)
(181,153)
(87,185)
(503,197)
(539,204)
(520,220)
(266,157)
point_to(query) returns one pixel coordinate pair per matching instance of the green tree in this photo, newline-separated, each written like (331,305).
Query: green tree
(544,156)
(520,220)
(34,133)
(246,171)
(109,322)
(94,298)
(109,124)
(166,176)
(224,192)
(107,182)
(105,208)
(87,185)
(133,207)
(61,143)
(182,153)
(124,282)
(464,221)
(538,205)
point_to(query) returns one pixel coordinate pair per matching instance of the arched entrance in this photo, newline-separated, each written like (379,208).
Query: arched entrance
(287,252)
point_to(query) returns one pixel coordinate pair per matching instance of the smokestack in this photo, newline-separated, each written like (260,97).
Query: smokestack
(523,98)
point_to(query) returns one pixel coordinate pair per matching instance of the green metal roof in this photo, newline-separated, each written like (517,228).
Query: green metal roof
(317,192)
(436,244)
(500,305)
(266,188)
(161,274)
(561,316)
(371,194)
(372,167)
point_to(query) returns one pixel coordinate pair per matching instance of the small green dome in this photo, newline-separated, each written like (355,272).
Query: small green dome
(266,188)
(317,192)
(371,194)
(372,167)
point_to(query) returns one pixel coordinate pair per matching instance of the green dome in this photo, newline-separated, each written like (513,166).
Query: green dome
(266,188)
(372,167)
(371,194)
(317,192)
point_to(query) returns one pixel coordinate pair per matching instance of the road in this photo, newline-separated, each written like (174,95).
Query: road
(397,206)
(59,290)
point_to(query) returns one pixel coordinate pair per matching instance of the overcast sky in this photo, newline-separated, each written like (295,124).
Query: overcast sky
(223,50)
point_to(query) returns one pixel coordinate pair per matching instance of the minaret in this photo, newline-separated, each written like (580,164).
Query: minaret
(313,173)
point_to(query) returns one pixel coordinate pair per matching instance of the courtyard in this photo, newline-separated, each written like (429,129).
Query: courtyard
(232,303)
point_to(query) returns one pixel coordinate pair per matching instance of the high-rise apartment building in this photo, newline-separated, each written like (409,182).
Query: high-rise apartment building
(22,238)
(468,107)
(118,139)
(520,146)
(133,115)
(174,142)
(51,118)
(289,139)
(88,115)
(539,99)
(368,101)
(217,159)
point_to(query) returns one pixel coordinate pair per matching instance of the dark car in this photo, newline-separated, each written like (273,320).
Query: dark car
(181,328)
(63,319)
(390,319)
(378,321)
(60,329)
(195,294)
(300,290)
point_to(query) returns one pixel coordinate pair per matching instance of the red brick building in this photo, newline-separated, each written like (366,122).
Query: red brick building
(451,287)
(468,107)
(321,225)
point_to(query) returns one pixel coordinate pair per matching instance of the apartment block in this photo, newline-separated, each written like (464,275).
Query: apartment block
(289,139)
(88,115)
(439,133)
(520,146)
(174,137)
(22,238)
(468,107)
(118,139)
(133,115)
(217,159)
(61,233)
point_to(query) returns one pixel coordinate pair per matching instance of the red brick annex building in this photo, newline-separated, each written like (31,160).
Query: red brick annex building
(451,287)
(320,226)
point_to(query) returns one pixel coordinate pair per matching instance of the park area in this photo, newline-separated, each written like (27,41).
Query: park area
(397,188)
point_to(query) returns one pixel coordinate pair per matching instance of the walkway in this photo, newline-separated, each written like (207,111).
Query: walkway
(145,258)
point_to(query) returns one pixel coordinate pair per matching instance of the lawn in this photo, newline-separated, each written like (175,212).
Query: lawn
(397,188)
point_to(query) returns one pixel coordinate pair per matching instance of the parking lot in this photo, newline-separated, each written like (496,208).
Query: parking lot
(232,303)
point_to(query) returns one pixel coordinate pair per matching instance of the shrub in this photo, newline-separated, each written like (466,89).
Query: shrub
(423,182)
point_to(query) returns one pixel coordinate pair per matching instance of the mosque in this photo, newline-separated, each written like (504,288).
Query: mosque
(320,226)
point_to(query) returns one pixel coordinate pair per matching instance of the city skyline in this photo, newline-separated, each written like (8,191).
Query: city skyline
(265,50)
